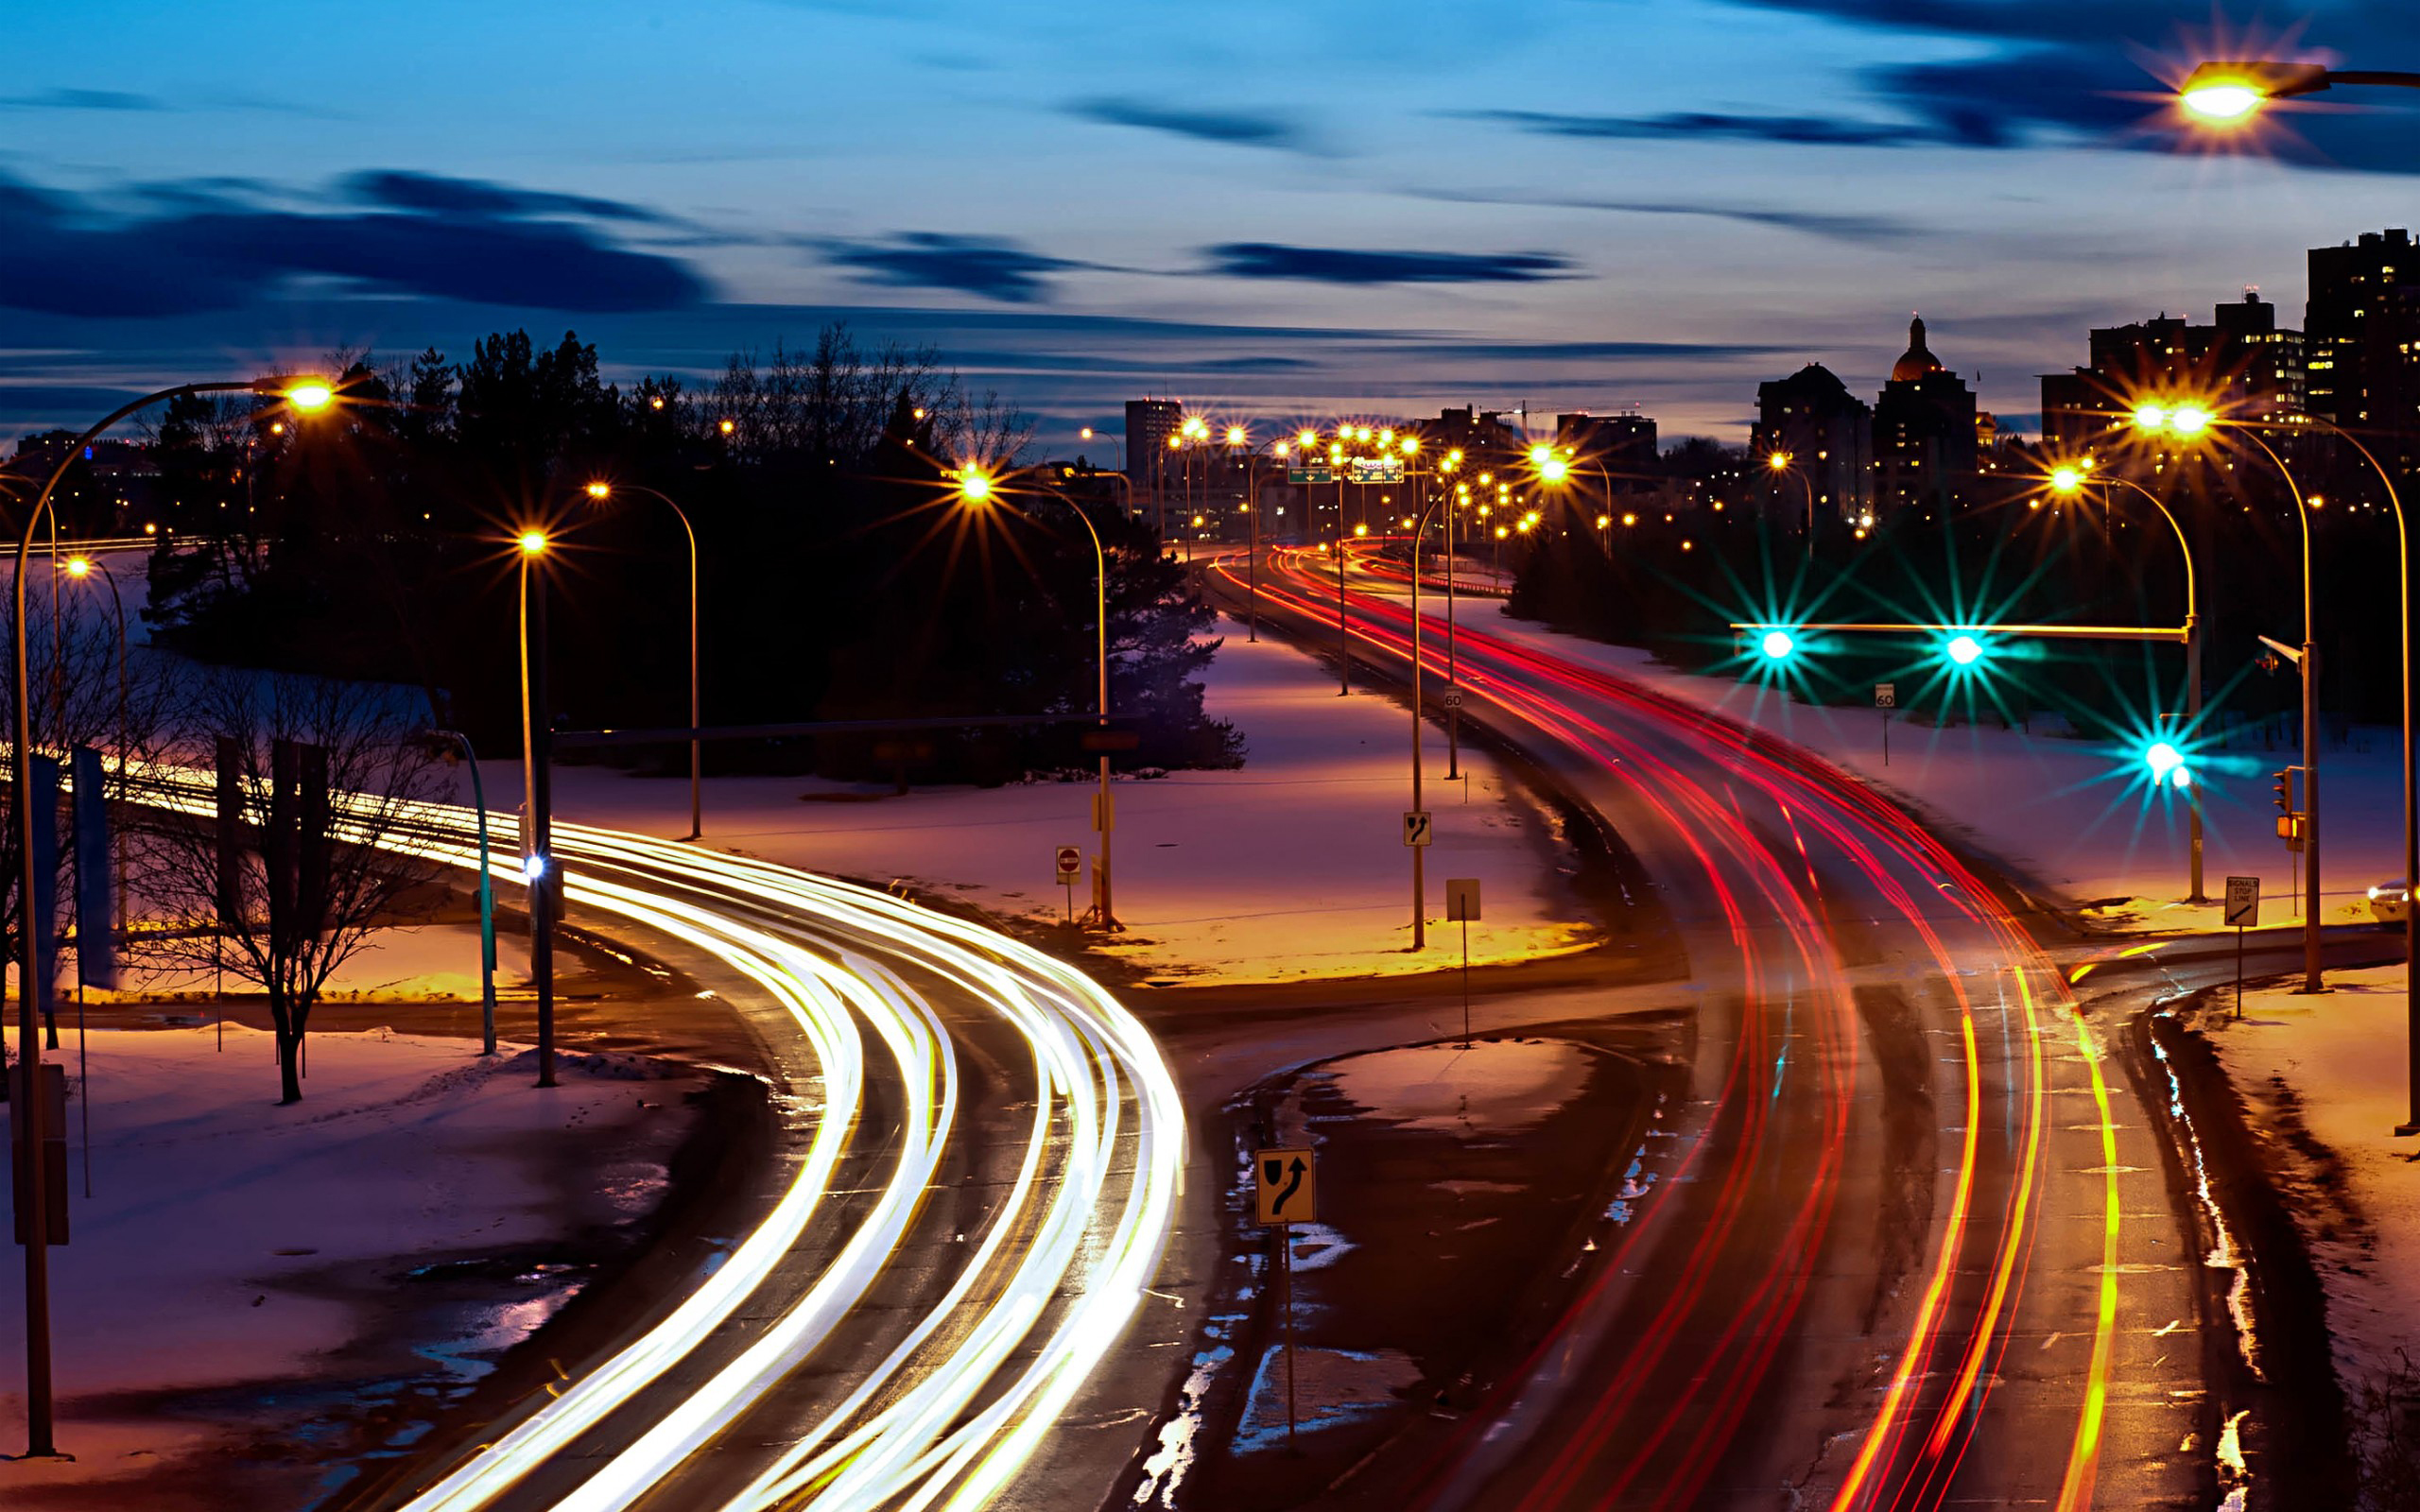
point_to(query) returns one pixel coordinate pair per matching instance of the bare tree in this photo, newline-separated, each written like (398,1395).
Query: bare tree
(379,774)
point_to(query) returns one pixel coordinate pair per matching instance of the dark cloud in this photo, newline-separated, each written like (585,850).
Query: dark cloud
(60,256)
(1804,130)
(1334,265)
(1833,225)
(435,194)
(1233,128)
(1586,350)
(81,99)
(936,260)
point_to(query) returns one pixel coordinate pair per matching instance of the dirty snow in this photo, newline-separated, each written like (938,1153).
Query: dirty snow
(1490,1086)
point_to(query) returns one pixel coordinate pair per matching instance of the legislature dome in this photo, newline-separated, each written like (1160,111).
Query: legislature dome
(1918,361)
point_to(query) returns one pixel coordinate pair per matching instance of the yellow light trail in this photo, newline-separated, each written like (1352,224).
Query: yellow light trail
(1084,1247)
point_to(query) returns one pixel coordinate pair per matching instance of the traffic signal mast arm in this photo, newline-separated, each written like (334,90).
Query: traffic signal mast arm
(2072,633)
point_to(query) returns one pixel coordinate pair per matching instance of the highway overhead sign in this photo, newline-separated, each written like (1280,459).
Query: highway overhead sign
(1284,1189)
(1461,899)
(1415,827)
(1885,695)
(2243,903)
(1071,863)
(1300,475)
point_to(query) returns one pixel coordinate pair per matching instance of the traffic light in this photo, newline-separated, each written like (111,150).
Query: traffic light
(2285,790)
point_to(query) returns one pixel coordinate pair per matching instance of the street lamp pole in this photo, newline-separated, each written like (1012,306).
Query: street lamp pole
(537,836)
(2192,667)
(976,487)
(697,757)
(79,567)
(2309,664)
(33,1107)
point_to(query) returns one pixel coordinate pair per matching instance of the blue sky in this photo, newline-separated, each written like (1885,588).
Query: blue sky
(1269,209)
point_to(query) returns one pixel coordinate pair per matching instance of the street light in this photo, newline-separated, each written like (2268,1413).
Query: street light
(2229,93)
(300,393)
(1964,650)
(2068,481)
(537,788)
(977,488)
(2191,421)
(601,491)
(1777,644)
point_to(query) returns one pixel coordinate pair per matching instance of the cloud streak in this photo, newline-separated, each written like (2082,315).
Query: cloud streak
(1246,129)
(1332,264)
(1798,130)
(1831,224)
(994,268)
(202,252)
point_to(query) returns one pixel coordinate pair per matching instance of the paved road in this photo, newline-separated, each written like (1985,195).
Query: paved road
(983,1160)
(1913,1247)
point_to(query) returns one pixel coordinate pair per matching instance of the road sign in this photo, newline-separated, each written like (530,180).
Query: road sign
(1284,1188)
(2243,903)
(1453,701)
(1415,827)
(1885,695)
(1301,476)
(1098,740)
(1071,863)
(1373,470)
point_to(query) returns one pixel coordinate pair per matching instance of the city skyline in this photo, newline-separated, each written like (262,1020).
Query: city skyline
(1582,207)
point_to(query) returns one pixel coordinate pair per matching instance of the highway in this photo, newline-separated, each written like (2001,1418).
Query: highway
(1912,1249)
(984,1157)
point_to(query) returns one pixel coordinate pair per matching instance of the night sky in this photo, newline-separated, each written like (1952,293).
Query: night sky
(1279,210)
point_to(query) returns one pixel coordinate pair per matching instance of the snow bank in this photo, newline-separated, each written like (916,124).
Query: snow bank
(200,1260)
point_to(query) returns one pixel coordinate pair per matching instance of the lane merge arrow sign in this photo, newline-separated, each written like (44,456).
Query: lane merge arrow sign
(1415,827)
(1284,1188)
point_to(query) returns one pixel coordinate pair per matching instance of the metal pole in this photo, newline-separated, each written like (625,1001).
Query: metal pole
(2193,723)
(1419,853)
(35,1190)
(1107,821)
(1453,712)
(487,897)
(537,789)
(1252,592)
(1343,648)
(2313,979)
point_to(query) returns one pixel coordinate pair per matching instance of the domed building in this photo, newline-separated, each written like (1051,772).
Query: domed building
(1924,431)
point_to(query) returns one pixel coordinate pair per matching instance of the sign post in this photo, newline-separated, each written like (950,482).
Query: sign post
(2244,912)
(1461,904)
(1285,1193)
(1885,697)
(1071,865)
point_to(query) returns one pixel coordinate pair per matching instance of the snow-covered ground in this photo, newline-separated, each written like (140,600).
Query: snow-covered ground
(205,1256)
(1291,867)
(2073,815)
(2334,1065)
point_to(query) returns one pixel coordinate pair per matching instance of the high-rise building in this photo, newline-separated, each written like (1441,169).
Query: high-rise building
(2362,333)
(1149,422)
(1623,445)
(1924,435)
(1828,433)
(2241,363)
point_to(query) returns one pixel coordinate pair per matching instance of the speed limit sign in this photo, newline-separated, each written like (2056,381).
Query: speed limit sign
(1453,701)
(1885,695)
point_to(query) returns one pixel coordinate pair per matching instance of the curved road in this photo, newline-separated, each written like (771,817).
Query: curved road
(1912,1249)
(986,1150)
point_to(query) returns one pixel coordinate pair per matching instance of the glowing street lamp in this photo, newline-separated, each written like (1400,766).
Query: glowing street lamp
(2226,93)
(601,491)
(1962,649)
(2168,765)
(1777,644)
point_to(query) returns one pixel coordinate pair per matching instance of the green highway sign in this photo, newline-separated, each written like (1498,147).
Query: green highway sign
(1310,474)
